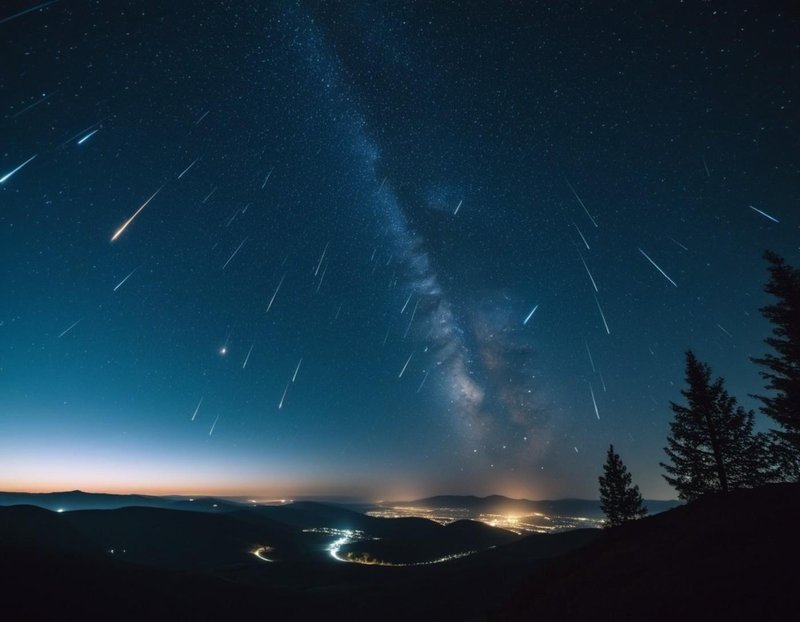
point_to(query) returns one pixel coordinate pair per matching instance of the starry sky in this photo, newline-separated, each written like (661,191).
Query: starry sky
(380,249)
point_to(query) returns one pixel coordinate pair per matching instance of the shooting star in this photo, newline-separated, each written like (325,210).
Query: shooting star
(321,257)
(591,278)
(277,289)
(582,205)
(188,168)
(196,410)
(213,425)
(705,166)
(296,369)
(88,136)
(594,402)
(580,233)
(530,315)
(205,114)
(135,214)
(69,329)
(266,179)
(655,265)
(724,331)
(589,352)
(419,388)
(122,282)
(402,371)
(755,209)
(322,278)
(458,207)
(602,315)
(33,105)
(603,382)
(26,11)
(411,321)
(8,175)
(209,195)
(678,243)
(238,248)
(403,310)
(283,397)
(247,358)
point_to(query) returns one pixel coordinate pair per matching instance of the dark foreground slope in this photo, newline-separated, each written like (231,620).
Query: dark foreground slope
(729,557)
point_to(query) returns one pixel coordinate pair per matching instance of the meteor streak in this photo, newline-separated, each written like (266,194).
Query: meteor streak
(602,315)
(589,352)
(655,265)
(68,329)
(530,315)
(277,289)
(234,253)
(205,114)
(419,388)
(594,402)
(266,179)
(33,105)
(8,175)
(591,278)
(213,425)
(247,358)
(321,257)
(402,371)
(196,410)
(135,214)
(122,282)
(755,209)
(26,11)
(88,136)
(458,207)
(296,369)
(580,233)
(283,397)
(186,170)
(582,205)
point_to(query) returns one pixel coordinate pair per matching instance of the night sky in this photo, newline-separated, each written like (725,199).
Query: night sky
(385,191)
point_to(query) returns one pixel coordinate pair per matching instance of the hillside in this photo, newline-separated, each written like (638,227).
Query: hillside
(722,558)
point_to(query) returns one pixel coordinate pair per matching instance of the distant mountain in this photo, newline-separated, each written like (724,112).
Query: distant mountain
(498,504)
(79,500)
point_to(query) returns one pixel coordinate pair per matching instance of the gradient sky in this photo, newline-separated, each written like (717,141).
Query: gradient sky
(414,176)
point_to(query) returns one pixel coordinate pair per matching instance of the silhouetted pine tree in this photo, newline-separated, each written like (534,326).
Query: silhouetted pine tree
(782,369)
(619,499)
(711,444)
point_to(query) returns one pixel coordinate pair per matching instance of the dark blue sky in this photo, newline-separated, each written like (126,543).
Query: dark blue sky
(411,178)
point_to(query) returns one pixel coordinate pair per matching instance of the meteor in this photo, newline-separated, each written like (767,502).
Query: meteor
(402,371)
(135,214)
(277,289)
(205,114)
(122,282)
(26,11)
(266,179)
(186,170)
(602,315)
(33,105)
(213,425)
(591,278)
(458,207)
(655,265)
(580,233)
(8,175)
(596,412)
(68,329)
(296,369)
(589,352)
(403,310)
(238,248)
(319,263)
(247,358)
(196,410)
(582,205)
(755,209)
(88,136)
(530,315)
(423,382)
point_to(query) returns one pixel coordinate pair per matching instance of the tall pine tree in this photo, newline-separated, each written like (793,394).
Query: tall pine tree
(781,369)
(711,445)
(619,499)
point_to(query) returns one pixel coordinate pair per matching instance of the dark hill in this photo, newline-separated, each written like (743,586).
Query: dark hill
(727,557)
